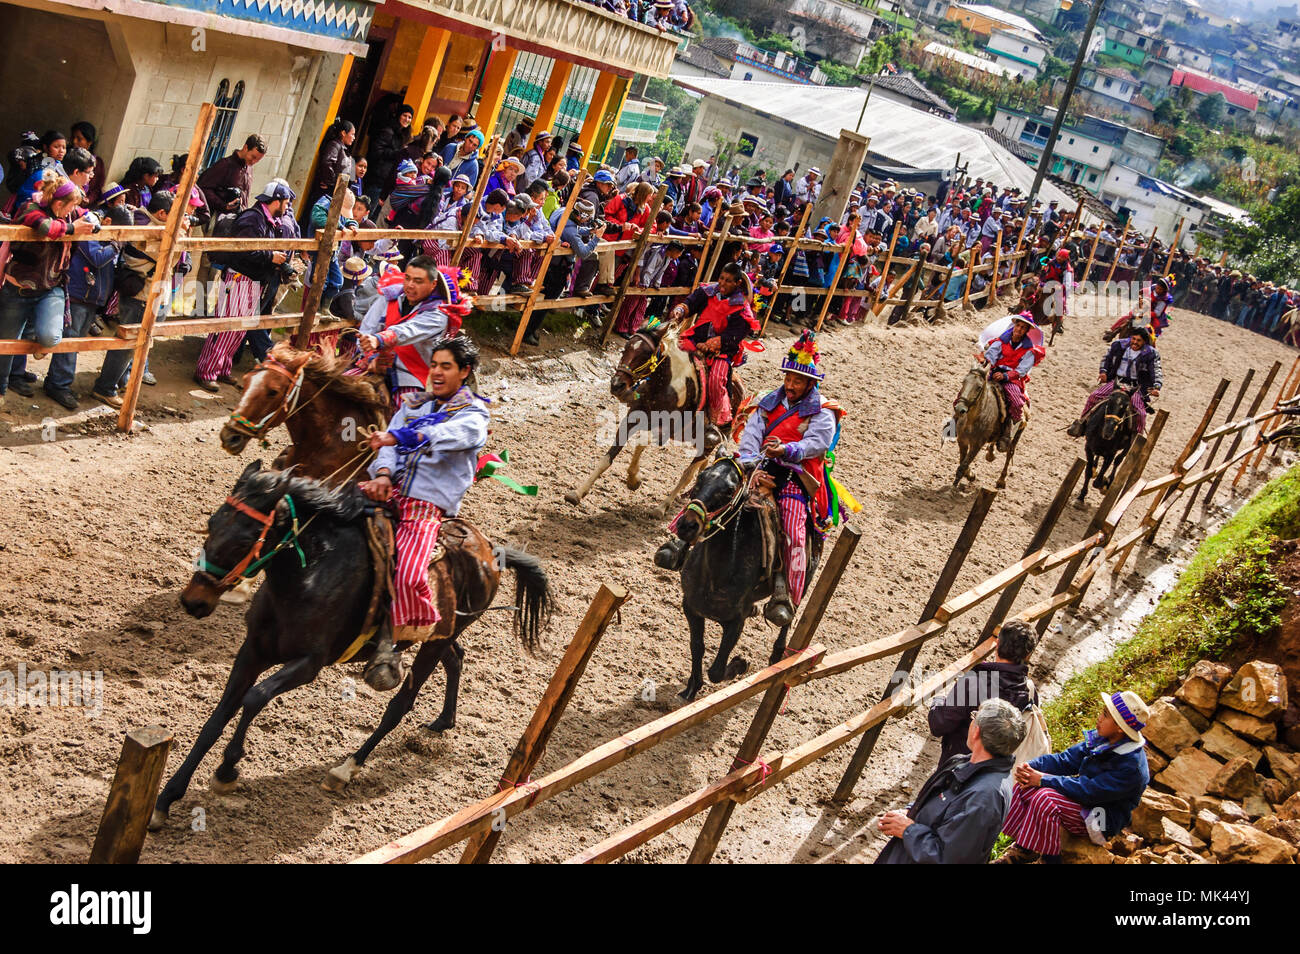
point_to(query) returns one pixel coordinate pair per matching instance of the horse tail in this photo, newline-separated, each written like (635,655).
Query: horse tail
(534,598)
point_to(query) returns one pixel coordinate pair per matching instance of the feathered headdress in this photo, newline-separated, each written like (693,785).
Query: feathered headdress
(453,283)
(804,358)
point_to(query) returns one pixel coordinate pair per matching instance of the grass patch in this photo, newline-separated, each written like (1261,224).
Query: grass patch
(1228,593)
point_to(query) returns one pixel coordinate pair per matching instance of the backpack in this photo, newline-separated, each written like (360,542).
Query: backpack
(1036,741)
(223,225)
(128,281)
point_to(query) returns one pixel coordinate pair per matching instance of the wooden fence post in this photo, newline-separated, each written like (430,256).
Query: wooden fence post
(321,267)
(1153,435)
(1295,389)
(903,670)
(546,264)
(884,272)
(1173,246)
(165,263)
(997,258)
(1091,254)
(768,708)
(707,248)
(1039,540)
(970,276)
(630,269)
(1283,393)
(1119,250)
(1240,435)
(845,253)
(135,787)
(1218,441)
(785,266)
(1136,459)
(940,310)
(913,284)
(471,210)
(531,745)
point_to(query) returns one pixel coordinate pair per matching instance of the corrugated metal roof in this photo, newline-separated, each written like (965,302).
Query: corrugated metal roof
(900,134)
(1001,16)
(970,59)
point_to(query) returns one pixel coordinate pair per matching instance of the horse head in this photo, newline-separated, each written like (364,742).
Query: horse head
(972,388)
(718,489)
(1118,408)
(271,392)
(237,534)
(642,355)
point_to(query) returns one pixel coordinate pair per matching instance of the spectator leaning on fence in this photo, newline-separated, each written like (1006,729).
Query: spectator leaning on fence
(1090,789)
(959,810)
(235,171)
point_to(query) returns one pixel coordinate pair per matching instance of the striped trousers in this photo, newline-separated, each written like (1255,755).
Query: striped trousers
(714,375)
(239,296)
(1016,400)
(414,603)
(1105,391)
(794,537)
(434,248)
(527,264)
(1036,816)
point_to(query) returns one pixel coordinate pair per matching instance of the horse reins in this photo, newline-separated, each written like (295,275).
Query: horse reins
(640,374)
(713,521)
(290,405)
(253,560)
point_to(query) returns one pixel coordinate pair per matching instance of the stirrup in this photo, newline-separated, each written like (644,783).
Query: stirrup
(779,610)
(384,671)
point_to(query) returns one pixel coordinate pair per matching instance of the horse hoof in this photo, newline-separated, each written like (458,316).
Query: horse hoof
(441,724)
(219,787)
(1000,485)
(688,694)
(157,820)
(338,777)
(737,667)
(988,454)
(572,498)
(634,484)
(384,677)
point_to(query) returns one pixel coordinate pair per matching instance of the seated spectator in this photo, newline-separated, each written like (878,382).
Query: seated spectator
(958,813)
(1007,677)
(1090,789)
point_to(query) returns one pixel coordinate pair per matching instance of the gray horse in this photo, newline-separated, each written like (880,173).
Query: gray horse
(976,421)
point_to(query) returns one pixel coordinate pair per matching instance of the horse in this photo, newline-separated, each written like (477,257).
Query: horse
(310,395)
(725,574)
(1108,435)
(320,592)
(977,420)
(662,389)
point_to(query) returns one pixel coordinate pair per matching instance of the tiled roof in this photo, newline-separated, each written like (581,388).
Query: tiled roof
(703,59)
(905,84)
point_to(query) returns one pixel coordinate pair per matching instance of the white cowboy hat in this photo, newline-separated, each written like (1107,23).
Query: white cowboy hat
(1129,712)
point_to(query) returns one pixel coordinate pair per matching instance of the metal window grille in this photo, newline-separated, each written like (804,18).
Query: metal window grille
(527,87)
(227,103)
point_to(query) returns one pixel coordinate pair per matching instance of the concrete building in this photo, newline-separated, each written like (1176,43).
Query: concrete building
(982,19)
(723,56)
(1131,46)
(970,66)
(1085,150)
(1017,50)
(1150,203)
(1241,104)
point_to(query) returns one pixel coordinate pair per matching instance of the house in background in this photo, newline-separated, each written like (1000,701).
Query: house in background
(734,59)
(970,66)
(1018,50)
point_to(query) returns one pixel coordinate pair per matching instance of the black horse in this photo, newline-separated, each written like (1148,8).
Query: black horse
(318,593)
(1109,434)
(724,576)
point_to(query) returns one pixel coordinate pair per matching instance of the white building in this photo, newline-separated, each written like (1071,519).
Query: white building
(1018,50)
(1153,204)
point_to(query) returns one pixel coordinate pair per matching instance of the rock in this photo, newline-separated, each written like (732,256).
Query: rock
(1201,688)
(1258,689)
(1153,808)
(1081,851)
(1201,803)
(1256,806)
(1236,780)
(1291,736)
(1176,834)
(1144,857)
(1225,744)
(1168,729)
(1201,722)
(1204,823)
(1125,843)
(1288,831)
(1234,813)
(1274,792)
(1242,844)
(1285,766)
(1190,773)
(1247,726)
(1156,763)
(1290,809)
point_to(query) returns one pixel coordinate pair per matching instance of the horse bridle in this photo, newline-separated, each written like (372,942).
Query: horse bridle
(961,400)
(641,374)
(712,521)
(243,425)
(253,559)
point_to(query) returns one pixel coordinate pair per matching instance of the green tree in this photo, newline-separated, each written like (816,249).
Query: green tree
(1212,109)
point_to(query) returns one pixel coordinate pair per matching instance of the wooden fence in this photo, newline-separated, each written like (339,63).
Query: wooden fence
(168,241)
(752,771)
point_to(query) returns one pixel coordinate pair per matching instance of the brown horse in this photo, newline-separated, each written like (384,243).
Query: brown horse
(326,412)
(977,420)
(662,389)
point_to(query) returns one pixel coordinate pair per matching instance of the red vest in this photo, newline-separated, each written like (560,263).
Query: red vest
(792,429)
(410,357)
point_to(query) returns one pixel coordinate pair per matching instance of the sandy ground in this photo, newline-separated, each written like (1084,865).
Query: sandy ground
(109,525)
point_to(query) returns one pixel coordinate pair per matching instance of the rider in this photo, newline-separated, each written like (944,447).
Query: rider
(403,324)
(1131,362)
(1056,269)
(787,437)
(723,320)
(425,465)
(1011,356)
(1162,296)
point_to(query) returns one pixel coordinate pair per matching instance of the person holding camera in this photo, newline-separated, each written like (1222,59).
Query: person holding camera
(249,279)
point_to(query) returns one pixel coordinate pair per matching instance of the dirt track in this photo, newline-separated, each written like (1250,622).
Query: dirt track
(105,528)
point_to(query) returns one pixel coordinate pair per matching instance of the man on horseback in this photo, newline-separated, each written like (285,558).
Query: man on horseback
(723,319)
(787,439)
(406,321)
(425,465)
(1010,357)
(1132,363)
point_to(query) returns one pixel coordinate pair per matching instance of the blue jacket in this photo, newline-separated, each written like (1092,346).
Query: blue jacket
(1095,773)
(91,260)
(581,238)
(435,460)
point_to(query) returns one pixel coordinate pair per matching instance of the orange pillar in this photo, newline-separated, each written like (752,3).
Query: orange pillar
(493,91)
(424,75)
(550,107)
(600,96)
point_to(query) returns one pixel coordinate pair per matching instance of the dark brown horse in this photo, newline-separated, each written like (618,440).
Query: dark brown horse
(1109,432)
(326,412)
(662,389)
(319,593)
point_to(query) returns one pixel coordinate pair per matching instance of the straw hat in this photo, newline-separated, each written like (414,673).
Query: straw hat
(356,269)
(1129,712)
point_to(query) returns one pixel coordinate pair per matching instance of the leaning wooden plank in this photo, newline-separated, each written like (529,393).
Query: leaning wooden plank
(965,602)
(855,656)
(106,343)
(480,816)
(1045,607)
(1062,557)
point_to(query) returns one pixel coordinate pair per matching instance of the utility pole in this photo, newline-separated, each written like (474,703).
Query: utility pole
(1044,163)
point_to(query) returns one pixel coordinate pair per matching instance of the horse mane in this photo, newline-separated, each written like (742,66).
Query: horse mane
(321,370)
(310,497)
